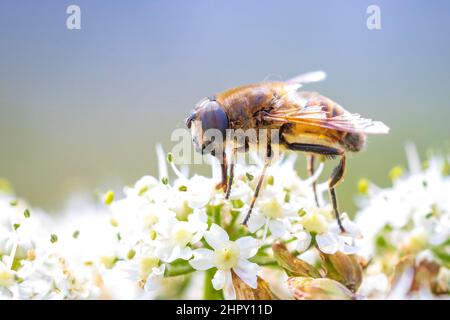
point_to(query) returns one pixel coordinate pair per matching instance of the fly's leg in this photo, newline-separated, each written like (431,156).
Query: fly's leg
(231,176)
(223,166)
(234,152)
(310,161)
(336,177)
(260,181)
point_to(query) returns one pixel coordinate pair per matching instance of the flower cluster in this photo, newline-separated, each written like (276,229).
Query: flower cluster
(181,238)
(407,232)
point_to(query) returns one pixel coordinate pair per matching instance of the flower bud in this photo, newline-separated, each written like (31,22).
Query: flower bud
(318,289)
(293,265)
(343,268)
(108,198)
(244,292)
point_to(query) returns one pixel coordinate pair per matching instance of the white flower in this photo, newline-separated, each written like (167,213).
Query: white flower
(6,275)
(415,210)
(271,211)
(141,187)
(334,240)
(198,191)
(174,236)
(227,256)
(144,268)
(302,241)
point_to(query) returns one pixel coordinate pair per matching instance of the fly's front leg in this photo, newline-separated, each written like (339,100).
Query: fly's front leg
(310,162)
(336,177)
(223,166)
(231,176)
(234,152)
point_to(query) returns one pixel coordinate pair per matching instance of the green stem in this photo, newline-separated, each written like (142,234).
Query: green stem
(178,270)
(264,261)
(209,293)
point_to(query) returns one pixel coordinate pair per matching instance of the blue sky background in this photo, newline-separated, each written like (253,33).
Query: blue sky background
(83,109)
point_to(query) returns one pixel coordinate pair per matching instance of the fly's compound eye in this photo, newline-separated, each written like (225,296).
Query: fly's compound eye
(213,116)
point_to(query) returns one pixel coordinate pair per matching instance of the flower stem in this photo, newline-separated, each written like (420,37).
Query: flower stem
(209,293)
(178,270)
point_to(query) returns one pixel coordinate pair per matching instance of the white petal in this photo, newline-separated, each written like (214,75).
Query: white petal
(154,278)
(303,241)
(159,271)
(349,249)
(219,279)
(216,236)
(347,245)
(248,246)
(255,222)
(247,271)
(185,253)
(198,202)
(351,228)
(229,291)
(203,259)
(174,254)
(277,228)
(328,242)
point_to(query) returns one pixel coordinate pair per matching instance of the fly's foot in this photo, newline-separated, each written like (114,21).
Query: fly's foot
(221,185)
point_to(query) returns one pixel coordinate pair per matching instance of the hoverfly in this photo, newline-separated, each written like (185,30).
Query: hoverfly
(305,121)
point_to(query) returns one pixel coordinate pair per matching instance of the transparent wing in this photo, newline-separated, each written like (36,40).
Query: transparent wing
(317,116)
(297,82)
(309,77)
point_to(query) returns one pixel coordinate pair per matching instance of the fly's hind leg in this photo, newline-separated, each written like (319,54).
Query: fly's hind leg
(310,162)
(336,176)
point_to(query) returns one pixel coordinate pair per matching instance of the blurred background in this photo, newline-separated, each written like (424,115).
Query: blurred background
(82,110)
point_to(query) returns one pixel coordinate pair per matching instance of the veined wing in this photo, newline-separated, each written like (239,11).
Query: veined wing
(316,110)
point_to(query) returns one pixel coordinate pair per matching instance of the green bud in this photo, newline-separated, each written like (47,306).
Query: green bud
(301,212)
(396,172)
(363,186)
(53,238)
(143,190)
(249,176)
(109,197)
(75,234)
(287,196)
(16,226)
(131,253)
(170,157)
(26,213)
(182,188)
